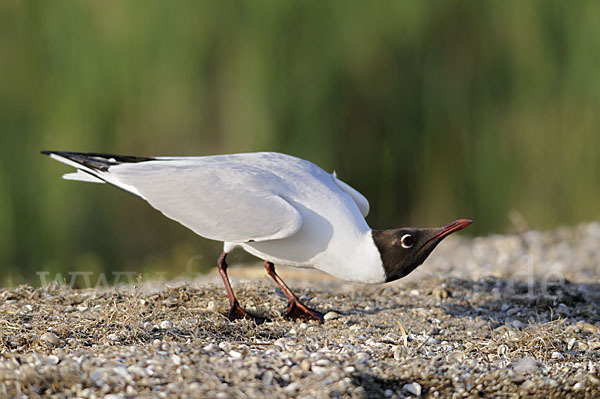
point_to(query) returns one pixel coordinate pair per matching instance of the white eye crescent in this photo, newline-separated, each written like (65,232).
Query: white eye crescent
(407,241)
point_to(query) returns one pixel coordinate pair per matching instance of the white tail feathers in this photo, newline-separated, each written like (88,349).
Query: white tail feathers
(87,174)
(82,176)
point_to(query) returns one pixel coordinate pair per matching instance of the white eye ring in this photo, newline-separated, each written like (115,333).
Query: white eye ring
(407,241)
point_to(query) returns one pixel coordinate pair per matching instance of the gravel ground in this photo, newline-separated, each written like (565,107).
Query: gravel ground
(503,316)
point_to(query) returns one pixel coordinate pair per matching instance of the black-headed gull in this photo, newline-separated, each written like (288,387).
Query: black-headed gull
(282,209)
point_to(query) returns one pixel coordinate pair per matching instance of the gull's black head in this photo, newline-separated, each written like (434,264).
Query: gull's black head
(402,250)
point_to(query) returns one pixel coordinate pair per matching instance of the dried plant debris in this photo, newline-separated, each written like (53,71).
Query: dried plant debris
(432,337)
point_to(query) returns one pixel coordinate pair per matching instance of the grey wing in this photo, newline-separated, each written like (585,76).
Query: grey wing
(222,202)
(361,202)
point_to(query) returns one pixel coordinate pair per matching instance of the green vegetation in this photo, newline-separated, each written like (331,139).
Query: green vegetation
(434,110)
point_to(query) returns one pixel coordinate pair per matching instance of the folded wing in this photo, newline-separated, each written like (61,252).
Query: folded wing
(221,201)
(361,202)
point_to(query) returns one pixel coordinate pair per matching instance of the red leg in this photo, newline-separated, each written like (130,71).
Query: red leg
(236,311)
(296,309)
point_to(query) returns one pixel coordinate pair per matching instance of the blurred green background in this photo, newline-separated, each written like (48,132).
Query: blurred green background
(433,110)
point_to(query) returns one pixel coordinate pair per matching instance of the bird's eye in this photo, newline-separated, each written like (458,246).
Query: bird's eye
(407,241)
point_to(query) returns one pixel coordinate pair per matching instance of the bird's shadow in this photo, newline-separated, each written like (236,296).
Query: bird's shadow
(524,301)
(494,300)
(376,386)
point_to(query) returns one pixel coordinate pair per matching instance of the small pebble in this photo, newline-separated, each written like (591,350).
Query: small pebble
(322,362)
(50,338)
(518,324)
(211,347)
(299,355)
(456,356)
(166,324)
(292,388)
(267,378)
(413,389)
(529,386)
(305,365)
(551,382)
(526,365)
(331,315)
(52,359)
(224,345)
(113,337)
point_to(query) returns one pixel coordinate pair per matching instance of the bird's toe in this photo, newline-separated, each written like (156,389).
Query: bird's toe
(297,310)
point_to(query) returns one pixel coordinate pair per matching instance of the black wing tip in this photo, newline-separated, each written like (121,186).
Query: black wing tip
(97,161)
(99,156)
(62,153)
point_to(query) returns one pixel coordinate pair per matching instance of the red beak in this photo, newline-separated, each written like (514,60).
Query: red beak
(451,228)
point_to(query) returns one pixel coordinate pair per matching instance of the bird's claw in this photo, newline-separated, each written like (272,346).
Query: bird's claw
(297,310)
